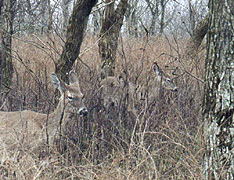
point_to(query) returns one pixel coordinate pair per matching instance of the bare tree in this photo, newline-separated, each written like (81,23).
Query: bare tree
(7,31)
(76,26)
(44,15)
(154,10)
(192,20)
(96,21)
(218,106)
(50,12)
(131,17)
(65,11)
(111,24)
(1,58)
(162,23)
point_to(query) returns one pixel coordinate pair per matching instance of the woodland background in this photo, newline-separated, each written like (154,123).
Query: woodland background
(165,140)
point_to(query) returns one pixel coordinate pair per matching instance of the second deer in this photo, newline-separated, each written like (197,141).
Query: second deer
(114,87)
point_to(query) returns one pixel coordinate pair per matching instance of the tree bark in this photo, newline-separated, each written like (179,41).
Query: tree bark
(111,24)
(163,4)
(65,12)
(1,58)
(192,21)
(218,103)
(7,17)
(76,26)
(154,9)
(50,20)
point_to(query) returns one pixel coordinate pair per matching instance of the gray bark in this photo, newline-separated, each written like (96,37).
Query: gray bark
(1,58)
(192,20)
(154,9)
(44,15)
(65,11)
(163,4)
(111,25)
(50,23)
(218,104)
(7,31)
(76,26)
(96,22)
(131,18)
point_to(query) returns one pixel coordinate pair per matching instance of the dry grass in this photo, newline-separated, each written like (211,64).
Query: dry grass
(163,142)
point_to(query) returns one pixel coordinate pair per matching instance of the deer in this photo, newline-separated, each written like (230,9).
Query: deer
(113,87)
(161,81)
(33,130)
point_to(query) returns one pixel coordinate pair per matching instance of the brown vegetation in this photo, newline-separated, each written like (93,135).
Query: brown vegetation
(164,140)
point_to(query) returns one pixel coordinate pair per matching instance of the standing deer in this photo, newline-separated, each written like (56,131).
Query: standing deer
(113,87)
(32,130)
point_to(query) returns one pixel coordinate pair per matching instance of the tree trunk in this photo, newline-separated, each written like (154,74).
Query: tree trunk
(7,31)
(218,103)
(154,9)
(1,58)
(192,21)
(96,22)
(75,30)
(44,16)
(50,21)
(162,21)
(65,11)
(111,24)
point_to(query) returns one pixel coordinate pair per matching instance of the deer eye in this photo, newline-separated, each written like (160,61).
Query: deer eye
(70,98)
(168,80)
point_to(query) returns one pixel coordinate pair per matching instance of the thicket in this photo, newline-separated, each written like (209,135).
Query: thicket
(164,140)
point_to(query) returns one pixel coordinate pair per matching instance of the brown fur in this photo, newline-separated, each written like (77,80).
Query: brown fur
(114,87)
(29,130)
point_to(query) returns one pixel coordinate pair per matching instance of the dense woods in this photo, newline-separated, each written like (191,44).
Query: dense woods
(146,89)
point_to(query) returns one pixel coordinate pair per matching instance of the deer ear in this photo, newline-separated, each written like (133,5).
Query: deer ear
(73,78)
(59,84)
(157,70)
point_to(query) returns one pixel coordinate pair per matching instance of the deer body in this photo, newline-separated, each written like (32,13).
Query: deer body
(28,126)
(113,87)
(30,130)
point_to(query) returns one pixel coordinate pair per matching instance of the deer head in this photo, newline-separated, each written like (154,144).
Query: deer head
(71,94)
(112,87)
(163,79)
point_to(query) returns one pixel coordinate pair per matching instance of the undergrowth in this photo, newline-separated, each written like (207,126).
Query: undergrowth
(163,141)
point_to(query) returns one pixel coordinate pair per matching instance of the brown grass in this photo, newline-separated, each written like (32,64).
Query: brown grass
(163,142)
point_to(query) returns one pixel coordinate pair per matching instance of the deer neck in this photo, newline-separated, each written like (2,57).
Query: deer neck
(59,115)
(56,121)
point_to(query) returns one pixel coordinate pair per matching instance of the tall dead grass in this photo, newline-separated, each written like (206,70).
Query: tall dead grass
(164,140)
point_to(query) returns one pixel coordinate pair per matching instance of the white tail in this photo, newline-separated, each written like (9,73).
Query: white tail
(29,130)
